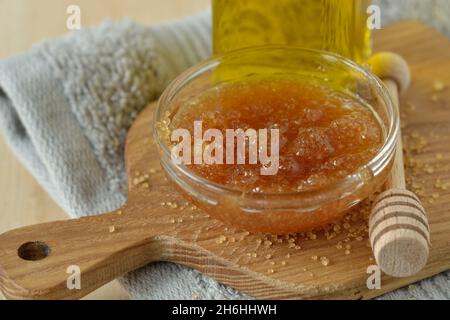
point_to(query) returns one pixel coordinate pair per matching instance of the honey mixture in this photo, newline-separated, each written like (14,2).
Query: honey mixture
(324,135)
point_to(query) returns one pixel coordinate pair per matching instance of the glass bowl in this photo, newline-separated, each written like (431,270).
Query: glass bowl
(279,213)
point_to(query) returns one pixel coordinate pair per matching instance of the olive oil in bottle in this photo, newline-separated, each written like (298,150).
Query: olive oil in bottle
(338,26)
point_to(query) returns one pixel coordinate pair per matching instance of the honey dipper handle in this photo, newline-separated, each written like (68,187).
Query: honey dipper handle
(397,177)
(398,226)
(43,261)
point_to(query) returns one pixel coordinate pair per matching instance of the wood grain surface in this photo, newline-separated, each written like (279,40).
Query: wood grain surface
(24,22)
(319,265)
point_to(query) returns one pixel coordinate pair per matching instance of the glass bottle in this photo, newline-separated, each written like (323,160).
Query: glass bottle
(339,26)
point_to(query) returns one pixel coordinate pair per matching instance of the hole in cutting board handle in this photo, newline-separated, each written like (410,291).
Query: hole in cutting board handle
(33,251)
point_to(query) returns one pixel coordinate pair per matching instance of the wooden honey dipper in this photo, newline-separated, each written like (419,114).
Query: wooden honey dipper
(398,226)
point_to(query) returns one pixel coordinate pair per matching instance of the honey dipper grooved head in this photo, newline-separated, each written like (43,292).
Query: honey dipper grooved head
(399,233)
(388,65)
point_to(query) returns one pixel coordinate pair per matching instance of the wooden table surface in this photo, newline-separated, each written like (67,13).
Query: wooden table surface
(22,200)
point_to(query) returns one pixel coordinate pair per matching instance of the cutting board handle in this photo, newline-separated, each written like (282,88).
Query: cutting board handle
(68,259)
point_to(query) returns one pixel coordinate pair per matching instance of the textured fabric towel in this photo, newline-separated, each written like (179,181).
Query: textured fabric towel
(65,109)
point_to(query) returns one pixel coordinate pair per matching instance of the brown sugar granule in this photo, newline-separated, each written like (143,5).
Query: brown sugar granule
(441,185)
(410,106)
(267,243)
(195,295)
(324,261)
(112,229)
(438,85)
(221,239)
(429,169)
(331,236)
(140,179)
(311,236)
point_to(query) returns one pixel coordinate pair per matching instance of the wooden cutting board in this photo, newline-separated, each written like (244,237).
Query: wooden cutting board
(157,224)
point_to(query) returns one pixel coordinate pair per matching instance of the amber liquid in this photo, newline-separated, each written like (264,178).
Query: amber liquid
(338,26)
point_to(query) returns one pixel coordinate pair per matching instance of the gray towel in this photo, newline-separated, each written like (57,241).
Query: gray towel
(66,106)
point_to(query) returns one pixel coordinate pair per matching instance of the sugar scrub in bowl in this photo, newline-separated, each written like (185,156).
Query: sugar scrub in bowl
(276,139)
